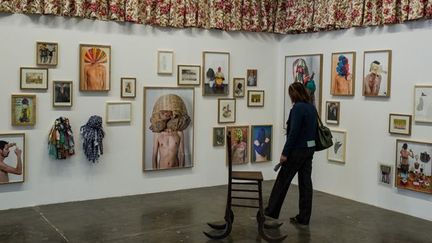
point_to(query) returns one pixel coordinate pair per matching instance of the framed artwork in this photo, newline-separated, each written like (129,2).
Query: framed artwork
(165,61)
(252,77)
(128,87)
(413,165)
(226,110)
(62,93)
(238,87)
(239,144)
(400,124)
(308,70)
(218,136)
(343,74)
(261,143)
(188,75)
(255,98)
(46,54)
(423,103)
(385,174)
(34,78)
(216,73)
(23,107)
(337,152)
(168,128)
(95,68)
(14,143)
(332,112)
(377,73)
(118,112)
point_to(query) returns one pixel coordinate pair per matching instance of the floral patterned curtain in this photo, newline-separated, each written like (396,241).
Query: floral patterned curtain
(278,16)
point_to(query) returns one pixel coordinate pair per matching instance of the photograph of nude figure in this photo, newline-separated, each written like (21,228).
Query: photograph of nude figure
(168,127)
(95,68)
(377,73)
(343,74)
(12,158)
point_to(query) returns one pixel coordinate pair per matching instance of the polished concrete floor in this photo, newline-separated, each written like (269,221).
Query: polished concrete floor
(181,216)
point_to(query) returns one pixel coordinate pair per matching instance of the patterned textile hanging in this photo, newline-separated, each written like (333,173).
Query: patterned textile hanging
(92,133)
(60,140)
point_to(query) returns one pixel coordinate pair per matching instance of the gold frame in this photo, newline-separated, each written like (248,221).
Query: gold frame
(108,103)
(81,46)
(251,142)
(326,112)
(409,123)
(247,141)
(243,81)
(353,75)
(121,88)
(414,103)
(33,121)
(235,110)
(159,71)
(56,54)
(343,161)
(389,72)
(249,102)
(24,150)
(224,137)
(204,53)
(71,93)
(192,66)
(34,68)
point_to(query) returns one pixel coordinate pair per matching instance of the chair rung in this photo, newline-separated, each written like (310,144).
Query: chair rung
(250,198)
(244,190)
(244,183)
(243,206)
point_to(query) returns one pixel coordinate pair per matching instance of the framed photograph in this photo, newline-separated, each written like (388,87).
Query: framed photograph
(261,143)
(252,77)
(337,152)
(343,74)
(306,69)
(413,165)
(423,103)
(226,110)
(168,128)
(23,107)
(377,73)
(255,98)
(189,75)
(239,144)
(46,54)
(14,143)
(238,87)
(332,112)
(165,61)
(216,73)
(34,78)
(218,136)
(400,124)
(95,68)
(62,93)
(118,112)
(128,87)
(385,174)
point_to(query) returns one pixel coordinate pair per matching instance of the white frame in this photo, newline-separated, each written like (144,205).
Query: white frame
(331,155)
(12,157)
(390,181)
(168,57)
(407,117)
(333,122)
(250,103)
(62,104)
(416,116)
(228,101)
(122,115)
(25,86)
(122,86)
(213,60)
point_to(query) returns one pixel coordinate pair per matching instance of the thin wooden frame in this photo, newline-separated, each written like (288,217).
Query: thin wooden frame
(251,102)
(58,99)
(333,151)
(123,87)
(25,78)
(234,139)
(165,66)
(110,120)
(28,116)
(12,156)
(404,126)
(46,56)
(232,111)
(92,54)
(239,92)
(268,129)
(196,74)
(332,118)
(334,77)
(375,93)
(218,139)
(252,77)
(422,103)
(218,89)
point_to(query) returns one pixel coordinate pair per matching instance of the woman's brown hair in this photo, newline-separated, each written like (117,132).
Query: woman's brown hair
(298,93)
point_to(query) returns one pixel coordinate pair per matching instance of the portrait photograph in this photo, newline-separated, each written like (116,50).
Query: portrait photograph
(62,93)
(343,74)
(14,160)
(34,78)
(189,75)
(255,98)
(332,112)
(168,128)
(218,136)
(226,110)
(216,73)
(252,77)
(128,87)
(239,87)
(118,112)
(165,61)
(423,103)
(413,165)
(377,73)
(400,124)
(385,174)
(46,54)
(95,68)
(336,153)
(239,144)
(23,110)
(261,143)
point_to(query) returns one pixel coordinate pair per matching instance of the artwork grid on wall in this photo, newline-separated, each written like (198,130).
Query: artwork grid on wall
(255,98)
(95,68)
(47,54)
(17,150)
(189,75)
(400,124)
(23,109)
(215,73)
(343,73)
(226,110)
(62,93)
(118,112)
(128,87)
(261,143)
(423,103)
(337,152)
(165,62)
(33,78)
(377,73)
(239,144)
(218,136)
(332,112)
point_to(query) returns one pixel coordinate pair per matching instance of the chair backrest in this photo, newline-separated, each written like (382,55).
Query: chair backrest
(229,153)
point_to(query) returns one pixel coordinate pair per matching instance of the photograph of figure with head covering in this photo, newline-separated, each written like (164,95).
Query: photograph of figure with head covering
(239,144)
(261,143)
(343,74)
(216,73)
(377,73)
(95,68)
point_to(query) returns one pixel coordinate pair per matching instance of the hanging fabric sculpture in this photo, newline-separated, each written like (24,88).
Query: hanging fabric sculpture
(92,133)
(61,143)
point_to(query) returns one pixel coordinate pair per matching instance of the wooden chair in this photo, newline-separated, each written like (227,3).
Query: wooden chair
(249,179)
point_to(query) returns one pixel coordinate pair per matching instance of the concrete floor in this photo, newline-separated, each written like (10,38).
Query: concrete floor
(181,216)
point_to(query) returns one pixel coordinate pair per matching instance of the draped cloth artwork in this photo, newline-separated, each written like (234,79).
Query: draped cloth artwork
(61,143)
(92,134)
(278,16)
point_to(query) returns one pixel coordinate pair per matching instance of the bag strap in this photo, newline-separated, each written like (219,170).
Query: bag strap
(318,118)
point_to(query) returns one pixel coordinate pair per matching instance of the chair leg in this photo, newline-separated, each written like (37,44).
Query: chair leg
(227,227)
(222,226)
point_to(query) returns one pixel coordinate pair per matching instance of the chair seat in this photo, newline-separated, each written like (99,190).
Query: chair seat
(247,175)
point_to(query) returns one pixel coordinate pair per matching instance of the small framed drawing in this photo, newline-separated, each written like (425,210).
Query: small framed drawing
(343,74)
(15,144)
(118,112)
(216,73)
(128,87)
(218,136)
(46,54)
(34,78)
(62,93)
(261,143)
(252,77)
(332,112)
(377,73)
(423,103)
(23,109)
(337,152)
(385,174)
(255,98)
(226,110)
(413,165)
(238,87)
(165,61)
(400,124)
(95,68)
(188,75)
(239,144)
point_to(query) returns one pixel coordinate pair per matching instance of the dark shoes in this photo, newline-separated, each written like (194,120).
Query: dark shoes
(296,221)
